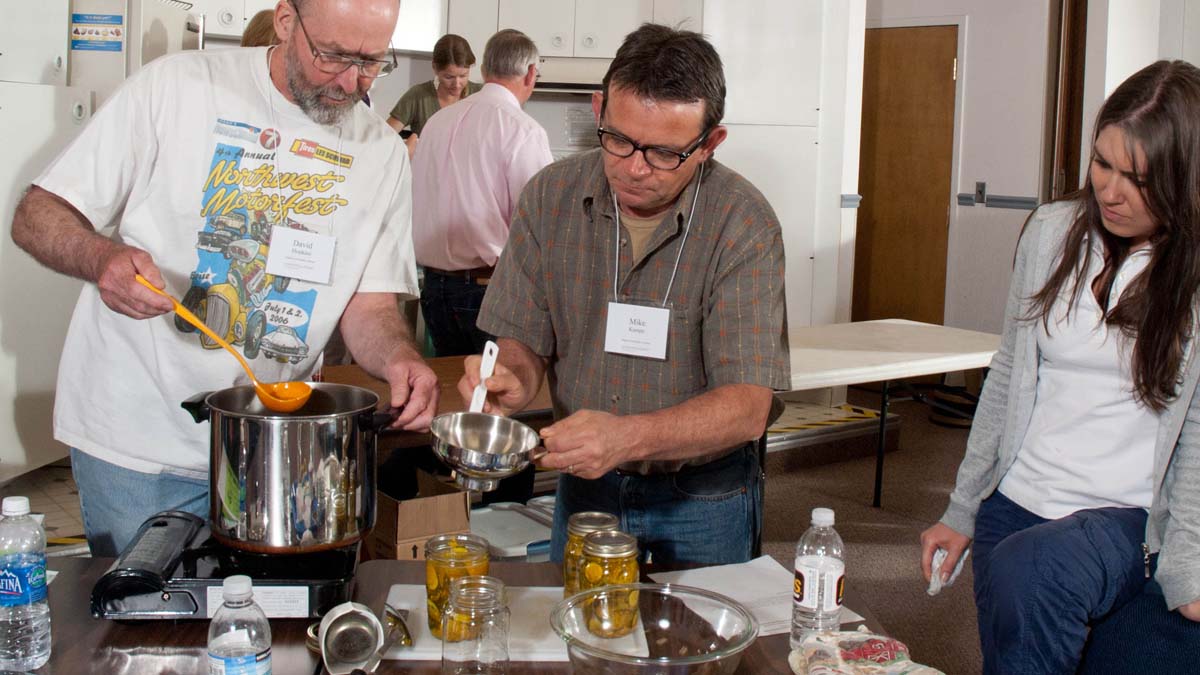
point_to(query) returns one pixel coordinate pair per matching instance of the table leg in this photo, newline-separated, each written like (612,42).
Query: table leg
(880,443)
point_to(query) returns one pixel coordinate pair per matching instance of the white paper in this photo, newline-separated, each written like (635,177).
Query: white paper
(278,602)
(637,331)
(762,586)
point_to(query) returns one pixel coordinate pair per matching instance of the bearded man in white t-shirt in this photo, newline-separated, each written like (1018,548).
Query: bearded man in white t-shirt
(200,162)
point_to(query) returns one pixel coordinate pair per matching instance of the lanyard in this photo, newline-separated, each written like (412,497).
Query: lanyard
(687,228)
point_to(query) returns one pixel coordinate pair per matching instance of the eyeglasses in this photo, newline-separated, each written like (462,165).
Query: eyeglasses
(660,158)
(335,64)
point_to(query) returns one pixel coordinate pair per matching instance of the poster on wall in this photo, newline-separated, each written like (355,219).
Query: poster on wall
(97,32)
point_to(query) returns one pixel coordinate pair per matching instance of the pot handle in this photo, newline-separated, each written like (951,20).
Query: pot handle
(380,419)
(196,406)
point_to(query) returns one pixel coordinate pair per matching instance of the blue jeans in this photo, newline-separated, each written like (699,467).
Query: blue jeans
(1040,583)
(709,514)
(450,305)
(115,501)
(1143,637)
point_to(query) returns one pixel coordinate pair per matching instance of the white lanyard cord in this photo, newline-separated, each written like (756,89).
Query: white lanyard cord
(678,255)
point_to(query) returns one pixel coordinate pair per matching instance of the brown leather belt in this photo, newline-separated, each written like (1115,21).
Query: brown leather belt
(479,275)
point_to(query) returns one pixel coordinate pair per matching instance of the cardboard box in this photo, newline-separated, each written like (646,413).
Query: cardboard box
(402,527)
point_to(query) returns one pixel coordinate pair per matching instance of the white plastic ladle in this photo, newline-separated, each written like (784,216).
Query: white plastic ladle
(490,351)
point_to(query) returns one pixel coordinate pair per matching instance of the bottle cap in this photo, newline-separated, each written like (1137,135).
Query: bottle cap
(15,506)
(237,587)
(822,517)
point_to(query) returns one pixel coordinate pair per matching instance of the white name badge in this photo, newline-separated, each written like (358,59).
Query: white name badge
(637,330)
(297,254)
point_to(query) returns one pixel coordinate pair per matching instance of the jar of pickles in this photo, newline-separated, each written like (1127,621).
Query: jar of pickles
(610,558)
(579,525)
(450,556)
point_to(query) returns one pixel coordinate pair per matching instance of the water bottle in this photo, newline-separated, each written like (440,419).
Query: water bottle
(820,581)
(239,637)
(24,612)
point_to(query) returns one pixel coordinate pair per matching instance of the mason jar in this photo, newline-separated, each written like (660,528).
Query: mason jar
(475,627)
(448,557)
(610,559)
(579,525)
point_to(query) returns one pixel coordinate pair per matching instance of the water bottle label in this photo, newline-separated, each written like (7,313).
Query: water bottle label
(810,575)
(23,583)
(248,664)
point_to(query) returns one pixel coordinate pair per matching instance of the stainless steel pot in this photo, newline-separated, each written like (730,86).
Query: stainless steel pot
(291,482)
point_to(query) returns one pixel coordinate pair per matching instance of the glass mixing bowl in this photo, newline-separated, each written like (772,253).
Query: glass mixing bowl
(678,630)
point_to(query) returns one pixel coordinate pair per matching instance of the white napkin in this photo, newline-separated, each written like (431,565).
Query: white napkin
(762,586)
(530,637)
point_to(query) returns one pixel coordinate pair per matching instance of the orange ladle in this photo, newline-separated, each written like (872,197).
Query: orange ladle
(276,396)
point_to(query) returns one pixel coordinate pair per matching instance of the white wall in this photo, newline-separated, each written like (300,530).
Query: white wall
(999,137)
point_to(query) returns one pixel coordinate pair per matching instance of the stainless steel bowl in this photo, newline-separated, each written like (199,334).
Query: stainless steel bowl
(483,448)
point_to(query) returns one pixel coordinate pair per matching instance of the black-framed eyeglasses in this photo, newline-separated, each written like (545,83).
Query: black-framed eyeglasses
(335,64)
(658,157)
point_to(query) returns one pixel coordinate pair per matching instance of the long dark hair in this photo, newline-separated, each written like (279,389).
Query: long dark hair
(1158,109)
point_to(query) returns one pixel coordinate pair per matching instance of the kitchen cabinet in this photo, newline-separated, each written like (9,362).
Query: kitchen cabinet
(34,49)
(681,14)
(584,28)
(474,20)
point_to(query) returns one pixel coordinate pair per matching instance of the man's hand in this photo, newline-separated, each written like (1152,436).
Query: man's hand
(121,291)
(414,392)
(1191,610)
(941,536)
(506,392)
(589,443)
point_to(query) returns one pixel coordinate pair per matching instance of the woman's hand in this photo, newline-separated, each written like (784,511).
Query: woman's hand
(941,536)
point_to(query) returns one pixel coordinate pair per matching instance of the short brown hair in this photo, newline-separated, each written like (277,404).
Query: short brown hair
(452,50)
(260,30)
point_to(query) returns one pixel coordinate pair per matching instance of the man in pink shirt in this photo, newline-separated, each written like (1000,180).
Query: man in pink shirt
(473,161)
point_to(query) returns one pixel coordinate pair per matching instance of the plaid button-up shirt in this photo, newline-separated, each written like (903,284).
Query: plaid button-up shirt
(554,281)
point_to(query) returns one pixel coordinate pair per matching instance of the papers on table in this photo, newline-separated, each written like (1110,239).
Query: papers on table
(762,586)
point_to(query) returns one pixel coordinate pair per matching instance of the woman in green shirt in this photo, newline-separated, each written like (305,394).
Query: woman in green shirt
(452,61)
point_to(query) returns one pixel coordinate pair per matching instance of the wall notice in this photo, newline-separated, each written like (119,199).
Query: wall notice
(97,32)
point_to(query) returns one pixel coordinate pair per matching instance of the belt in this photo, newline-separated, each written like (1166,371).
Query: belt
(479,275)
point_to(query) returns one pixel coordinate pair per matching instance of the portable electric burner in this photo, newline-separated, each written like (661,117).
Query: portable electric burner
(173,569)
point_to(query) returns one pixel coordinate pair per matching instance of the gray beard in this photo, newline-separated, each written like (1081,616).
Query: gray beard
(308,96)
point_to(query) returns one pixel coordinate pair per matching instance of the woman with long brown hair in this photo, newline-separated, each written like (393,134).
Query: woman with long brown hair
(1081,478)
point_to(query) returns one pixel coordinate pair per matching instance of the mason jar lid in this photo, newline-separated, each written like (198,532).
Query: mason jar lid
(610,544)
(584,522)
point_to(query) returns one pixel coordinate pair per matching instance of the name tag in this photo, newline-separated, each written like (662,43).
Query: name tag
(297,254)
(637,331)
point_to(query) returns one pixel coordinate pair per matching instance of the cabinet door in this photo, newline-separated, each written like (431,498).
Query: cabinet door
(772,55)
(474,20)
(601,25)
(549,23)
(33,43)
(255,6)
(682,14)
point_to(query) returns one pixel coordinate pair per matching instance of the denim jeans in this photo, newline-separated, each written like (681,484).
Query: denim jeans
(709,514)
(1040,583)
(1143,637)
(115,501)
(450,305)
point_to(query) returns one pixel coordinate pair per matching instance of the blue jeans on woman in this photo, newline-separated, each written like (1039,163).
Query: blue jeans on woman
(711,513)
(1040,583)
(115,501)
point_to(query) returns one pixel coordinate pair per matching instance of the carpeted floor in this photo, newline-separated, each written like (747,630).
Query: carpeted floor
(883,549)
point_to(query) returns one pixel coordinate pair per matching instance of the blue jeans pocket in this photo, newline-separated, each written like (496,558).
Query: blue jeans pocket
(719,480)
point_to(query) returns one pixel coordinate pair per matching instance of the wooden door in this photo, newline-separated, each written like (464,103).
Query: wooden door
(904,173)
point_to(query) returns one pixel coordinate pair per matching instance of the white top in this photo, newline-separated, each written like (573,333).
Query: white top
(472,161)
(194,159)
(1090,443)
(14,506)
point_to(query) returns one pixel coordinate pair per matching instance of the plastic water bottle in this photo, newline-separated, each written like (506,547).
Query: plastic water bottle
(820,581)
(239,637)
(24,612)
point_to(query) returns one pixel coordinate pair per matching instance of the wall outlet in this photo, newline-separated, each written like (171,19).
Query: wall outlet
(980,192)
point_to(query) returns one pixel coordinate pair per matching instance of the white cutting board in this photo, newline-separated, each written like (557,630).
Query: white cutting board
(530,637)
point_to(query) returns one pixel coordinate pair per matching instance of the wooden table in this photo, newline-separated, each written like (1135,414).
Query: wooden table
(880,351)
(82,644)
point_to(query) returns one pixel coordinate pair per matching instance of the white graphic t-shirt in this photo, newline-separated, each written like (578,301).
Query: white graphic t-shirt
(197,159)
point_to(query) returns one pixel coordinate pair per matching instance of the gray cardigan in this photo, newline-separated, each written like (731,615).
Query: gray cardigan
(1006,404)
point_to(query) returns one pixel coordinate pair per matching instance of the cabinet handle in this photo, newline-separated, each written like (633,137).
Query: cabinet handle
(589,41)
(557,40)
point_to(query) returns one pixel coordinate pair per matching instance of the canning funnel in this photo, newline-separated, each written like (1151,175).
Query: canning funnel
(276,396)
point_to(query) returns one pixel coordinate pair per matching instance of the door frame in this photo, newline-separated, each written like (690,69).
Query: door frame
(959,20)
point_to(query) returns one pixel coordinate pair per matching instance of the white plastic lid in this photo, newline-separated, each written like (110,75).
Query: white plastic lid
(15,506)
(822,517)
(237,587)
